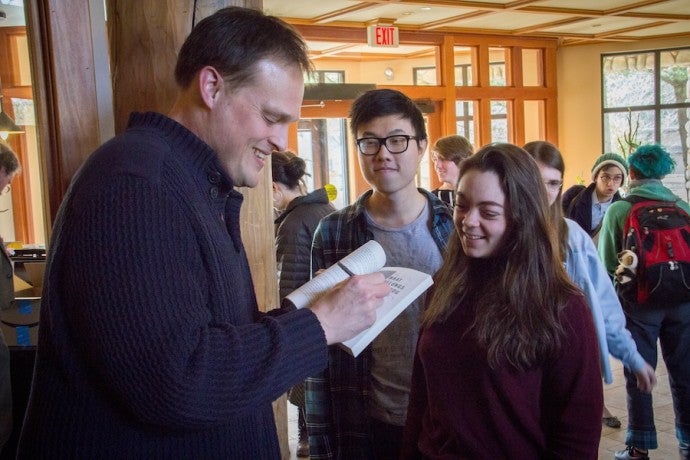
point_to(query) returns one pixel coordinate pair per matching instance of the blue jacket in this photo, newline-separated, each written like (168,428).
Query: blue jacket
(588,273)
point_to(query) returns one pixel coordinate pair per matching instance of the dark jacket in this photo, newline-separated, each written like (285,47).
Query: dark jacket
(579,207)
(295,231)
(6,297)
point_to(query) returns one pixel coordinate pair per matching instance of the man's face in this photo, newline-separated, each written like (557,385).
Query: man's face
(388,172)
(5,180)
(250,122)
(446,170)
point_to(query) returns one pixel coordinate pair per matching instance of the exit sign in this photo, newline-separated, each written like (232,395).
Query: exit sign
(382,36)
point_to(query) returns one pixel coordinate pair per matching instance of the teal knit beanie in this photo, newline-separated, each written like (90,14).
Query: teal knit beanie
(609,159)
(651,161)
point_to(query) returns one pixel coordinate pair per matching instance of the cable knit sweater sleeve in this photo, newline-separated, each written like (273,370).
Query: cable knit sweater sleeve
(151,321)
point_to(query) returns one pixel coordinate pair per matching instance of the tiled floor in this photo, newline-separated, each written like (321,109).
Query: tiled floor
(611,439)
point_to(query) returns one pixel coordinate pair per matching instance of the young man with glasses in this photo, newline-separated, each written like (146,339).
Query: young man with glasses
(587,205)
(357,407)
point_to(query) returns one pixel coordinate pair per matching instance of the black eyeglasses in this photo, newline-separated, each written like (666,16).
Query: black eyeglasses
(395,144)
(605,178)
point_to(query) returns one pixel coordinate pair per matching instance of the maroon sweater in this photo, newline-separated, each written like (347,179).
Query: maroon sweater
(460,408)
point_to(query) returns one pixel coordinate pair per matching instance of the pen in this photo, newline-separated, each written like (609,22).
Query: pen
(345,269)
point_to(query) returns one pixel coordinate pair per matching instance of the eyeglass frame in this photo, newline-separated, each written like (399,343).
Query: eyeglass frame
(605,178)
(383,141)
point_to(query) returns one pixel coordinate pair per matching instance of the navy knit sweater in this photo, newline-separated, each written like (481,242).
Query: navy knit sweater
(150,341)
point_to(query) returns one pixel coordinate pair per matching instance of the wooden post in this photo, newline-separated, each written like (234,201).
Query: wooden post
(145,36)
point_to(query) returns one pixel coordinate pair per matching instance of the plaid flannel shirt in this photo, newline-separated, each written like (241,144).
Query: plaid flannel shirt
(337,399)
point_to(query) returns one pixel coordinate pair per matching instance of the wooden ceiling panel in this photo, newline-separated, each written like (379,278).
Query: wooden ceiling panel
(572,21)
(509,21)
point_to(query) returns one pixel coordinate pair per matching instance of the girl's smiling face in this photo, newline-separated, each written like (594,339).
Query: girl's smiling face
(480,213)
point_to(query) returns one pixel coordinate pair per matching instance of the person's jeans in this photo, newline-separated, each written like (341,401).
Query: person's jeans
(671,326)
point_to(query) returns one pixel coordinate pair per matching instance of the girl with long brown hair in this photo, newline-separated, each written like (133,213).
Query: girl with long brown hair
(506,365)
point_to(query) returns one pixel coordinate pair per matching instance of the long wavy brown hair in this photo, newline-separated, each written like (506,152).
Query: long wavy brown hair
(517,293)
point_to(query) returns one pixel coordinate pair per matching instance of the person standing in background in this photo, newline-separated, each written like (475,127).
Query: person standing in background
(9,167)
(588,273)
(665,323)
(300,213)
(506,366)
(447,153)
(356,408)
(587,205)
(151,343)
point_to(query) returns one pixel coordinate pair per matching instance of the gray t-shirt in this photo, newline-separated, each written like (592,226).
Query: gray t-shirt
(393,350)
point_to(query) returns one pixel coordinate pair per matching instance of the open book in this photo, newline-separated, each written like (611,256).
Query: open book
(406,285)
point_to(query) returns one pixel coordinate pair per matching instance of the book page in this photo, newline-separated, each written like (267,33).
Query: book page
(406,285)
(368,258)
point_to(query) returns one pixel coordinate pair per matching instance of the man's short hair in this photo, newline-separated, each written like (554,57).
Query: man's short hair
(9,163)
(233,40)
(383,102)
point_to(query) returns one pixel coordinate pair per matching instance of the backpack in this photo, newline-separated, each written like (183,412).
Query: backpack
(655,260)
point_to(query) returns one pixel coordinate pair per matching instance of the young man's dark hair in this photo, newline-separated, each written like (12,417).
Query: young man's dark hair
(381,102)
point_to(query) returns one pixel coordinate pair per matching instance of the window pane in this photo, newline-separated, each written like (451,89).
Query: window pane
(325,76)
(465,57)
(675,67)
(628,80)
(499,121)
(674,138)
(464,119)
(497,67)
(532,67)
(333,77)
(534,121)
(674,129)
(621,127)
(424,76)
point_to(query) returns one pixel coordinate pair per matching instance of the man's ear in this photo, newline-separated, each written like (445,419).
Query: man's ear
(210,85)
(422,148)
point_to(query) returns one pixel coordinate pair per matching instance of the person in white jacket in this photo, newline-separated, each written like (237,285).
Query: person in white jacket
(588,273)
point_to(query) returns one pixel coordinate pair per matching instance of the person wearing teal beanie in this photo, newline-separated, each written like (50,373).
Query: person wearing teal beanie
(665,322)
